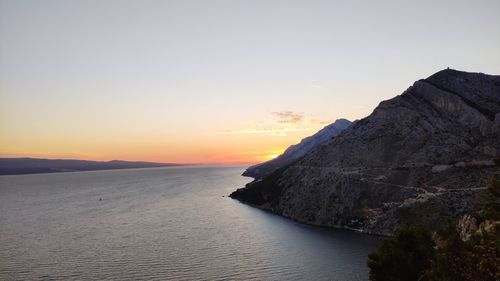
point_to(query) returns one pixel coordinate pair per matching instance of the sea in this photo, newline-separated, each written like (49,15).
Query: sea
(169,223)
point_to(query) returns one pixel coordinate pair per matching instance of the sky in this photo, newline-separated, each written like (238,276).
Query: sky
(217,81)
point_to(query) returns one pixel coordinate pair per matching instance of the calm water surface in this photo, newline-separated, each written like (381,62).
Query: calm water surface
(161,224)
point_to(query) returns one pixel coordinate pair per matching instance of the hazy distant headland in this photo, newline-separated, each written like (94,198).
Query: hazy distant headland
(297,151)
(18,166)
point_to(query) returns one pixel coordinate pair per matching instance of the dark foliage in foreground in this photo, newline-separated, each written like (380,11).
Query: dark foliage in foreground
(403,256)
(477,259)
(411,255)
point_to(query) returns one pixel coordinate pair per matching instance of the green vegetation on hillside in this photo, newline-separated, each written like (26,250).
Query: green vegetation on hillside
(415,254)
(403,256)
(473,260)
(492,209)
(410,255)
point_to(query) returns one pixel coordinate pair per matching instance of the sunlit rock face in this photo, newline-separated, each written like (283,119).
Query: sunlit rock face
(387,169)
(297,151)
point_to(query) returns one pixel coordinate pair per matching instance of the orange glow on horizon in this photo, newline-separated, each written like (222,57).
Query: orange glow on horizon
(223,153)
(179,144)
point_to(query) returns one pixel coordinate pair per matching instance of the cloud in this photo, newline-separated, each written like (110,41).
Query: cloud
(281,124)
(288,117)
(280,132)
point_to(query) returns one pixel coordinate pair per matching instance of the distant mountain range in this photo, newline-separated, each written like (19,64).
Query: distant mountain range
(424,157)
(17,166)
(296,151)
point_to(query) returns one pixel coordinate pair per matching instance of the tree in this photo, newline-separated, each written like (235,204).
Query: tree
(403,256)
(472,260)
(411,254)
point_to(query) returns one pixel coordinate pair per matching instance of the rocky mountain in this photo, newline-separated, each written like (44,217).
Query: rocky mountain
(423,157)
(16,166)
(297,151)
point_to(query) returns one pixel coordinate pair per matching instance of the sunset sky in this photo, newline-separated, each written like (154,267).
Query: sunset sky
(217,81)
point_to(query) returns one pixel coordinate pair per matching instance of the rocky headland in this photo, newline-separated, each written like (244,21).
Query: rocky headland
(423,157)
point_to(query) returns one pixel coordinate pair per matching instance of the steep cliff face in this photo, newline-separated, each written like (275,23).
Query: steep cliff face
(297,151)
(421,157)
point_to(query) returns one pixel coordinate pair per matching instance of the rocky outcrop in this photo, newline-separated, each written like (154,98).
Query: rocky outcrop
(423,157)
(466,227)
(297,151)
